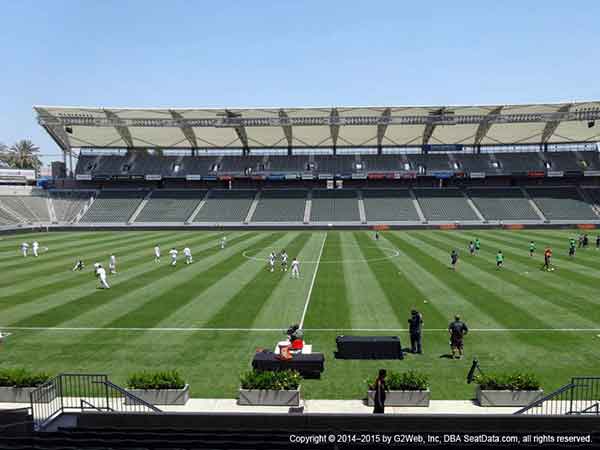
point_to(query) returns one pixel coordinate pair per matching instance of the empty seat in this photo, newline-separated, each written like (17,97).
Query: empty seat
(445,204)
(389,205)
(226,206)
(562,203)
(33,208)
(67,204)
(170,206)
(285,205)
(334,205)
(113,206)
(503,204)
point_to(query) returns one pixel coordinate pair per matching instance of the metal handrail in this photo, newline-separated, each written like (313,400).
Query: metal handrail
(595,406)
(130,396)
(546,398)
(84,402)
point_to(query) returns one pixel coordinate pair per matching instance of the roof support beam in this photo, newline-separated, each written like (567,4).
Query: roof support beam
(552,125)
(430,126)
(122,130)
(187,131)
(382,127)
(334,127)
(287,129)
(240,130)
(485,125)
(57,132)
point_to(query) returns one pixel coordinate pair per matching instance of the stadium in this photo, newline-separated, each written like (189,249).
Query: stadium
(371,201)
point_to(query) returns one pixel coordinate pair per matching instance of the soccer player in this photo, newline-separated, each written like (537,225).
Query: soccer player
(272,262)
(572,247)
(477,244)
(453,259)
(377,235)
(547,258)
(586,240)
(471,248)
(24,248)
(284,260)
(531,248)
(295,268)
(101,274)
(112,264)
(499,259)
(156,254)
(188,255)
(598,242)
(223,242)
(173,252)
(78,265)
(34,248)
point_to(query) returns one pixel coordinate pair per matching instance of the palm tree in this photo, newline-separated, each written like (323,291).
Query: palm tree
(4,156)
(23,155)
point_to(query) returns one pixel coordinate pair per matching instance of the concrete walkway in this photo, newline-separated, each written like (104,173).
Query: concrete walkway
(205,405)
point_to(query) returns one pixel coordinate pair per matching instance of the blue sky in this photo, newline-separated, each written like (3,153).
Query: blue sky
(290,53)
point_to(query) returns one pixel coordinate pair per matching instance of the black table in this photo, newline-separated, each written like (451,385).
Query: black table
(368,347)
(308,365)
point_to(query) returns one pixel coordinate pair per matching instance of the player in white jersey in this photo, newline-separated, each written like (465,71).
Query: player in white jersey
(272,262)
(188,255)
(34,248)
(295,268)
(284,260)
(173,252)
(24,248)
(101,274)
(112,264)
(223,242)
(156,254)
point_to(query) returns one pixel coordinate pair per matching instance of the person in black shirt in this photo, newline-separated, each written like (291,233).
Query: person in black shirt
(380,389)
(415,327)
(597,242)
(457,330)
(453,259)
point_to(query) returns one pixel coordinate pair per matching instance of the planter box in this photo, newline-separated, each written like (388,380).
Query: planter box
(402,398)
(161,396)
(266,397)
(21,394)
(507,398)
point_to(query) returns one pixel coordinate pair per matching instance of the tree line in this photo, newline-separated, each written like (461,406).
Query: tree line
(23,154)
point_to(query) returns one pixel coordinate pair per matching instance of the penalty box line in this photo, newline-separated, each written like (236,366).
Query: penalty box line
(314,330)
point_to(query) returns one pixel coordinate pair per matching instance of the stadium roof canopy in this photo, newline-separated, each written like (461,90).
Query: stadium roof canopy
(82,127)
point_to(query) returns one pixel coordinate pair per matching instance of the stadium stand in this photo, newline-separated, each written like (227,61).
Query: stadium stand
(334,205)
(334,164)
(113,206)
(7,218)
(67,204)
(447,204)
(505,203)
(33,208)
(562,203)
(170,205)
(389,205)
(383,163)
(281,205)
(288,163)
(226,206)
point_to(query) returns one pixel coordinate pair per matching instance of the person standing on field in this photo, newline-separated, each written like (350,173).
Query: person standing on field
(457,330)
(380,390)
(415,327)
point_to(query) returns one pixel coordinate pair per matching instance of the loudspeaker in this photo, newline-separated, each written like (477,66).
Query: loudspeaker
(591,123)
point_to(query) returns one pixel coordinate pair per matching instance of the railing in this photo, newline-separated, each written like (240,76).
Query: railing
(80,392)
(580,397)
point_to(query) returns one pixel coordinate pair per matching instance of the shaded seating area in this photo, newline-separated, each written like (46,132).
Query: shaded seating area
(446,204)
(562,203)
(334,205)
(113,206)
(170,205)
(67,204)
(507,203)
(226,206)
(285,205)
(389,205)
(32,208)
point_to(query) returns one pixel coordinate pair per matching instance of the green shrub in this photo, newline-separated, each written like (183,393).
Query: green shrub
(282,380)
(22,378)
(405,381)
(156,380)
(517,381)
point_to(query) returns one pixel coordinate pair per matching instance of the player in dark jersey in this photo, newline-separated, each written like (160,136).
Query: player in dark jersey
(453,259)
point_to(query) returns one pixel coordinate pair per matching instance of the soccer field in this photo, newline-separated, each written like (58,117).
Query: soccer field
(207,319)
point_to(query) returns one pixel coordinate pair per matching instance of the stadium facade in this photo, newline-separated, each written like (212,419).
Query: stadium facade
(343,166)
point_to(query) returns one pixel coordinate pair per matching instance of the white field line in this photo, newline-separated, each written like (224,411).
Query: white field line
(312,283)
(317,330)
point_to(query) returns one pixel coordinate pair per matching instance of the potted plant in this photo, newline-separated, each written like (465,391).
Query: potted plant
(404,389)
(158,388)
(273,388)
(507,389)
(17,384)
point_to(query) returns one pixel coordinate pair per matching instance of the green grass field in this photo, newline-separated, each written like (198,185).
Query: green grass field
(207,319)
